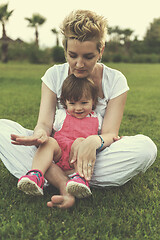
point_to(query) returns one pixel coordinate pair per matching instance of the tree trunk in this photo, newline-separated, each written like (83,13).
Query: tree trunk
(57,40)
(3,30)
(36,35)
(4,48)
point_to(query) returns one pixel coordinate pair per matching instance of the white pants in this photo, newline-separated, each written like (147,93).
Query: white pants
(114,166)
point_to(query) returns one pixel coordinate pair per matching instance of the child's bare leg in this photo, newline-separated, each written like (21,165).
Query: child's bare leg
(58,178)
(46,153)
(32,183)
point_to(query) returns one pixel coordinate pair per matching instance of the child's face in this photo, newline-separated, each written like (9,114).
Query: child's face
(81,108)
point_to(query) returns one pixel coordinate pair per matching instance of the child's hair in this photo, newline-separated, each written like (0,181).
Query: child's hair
(84,25)
(73,89)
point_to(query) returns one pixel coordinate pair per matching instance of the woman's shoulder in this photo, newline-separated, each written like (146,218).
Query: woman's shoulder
(55,76)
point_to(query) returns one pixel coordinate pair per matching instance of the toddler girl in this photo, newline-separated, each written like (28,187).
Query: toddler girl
(75,120)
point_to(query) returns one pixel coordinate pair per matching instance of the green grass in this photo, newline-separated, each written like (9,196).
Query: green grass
(129,212)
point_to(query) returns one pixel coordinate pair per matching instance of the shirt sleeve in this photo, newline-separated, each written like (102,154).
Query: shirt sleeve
(49,79)
(119,85)
(55,76)
(114,83)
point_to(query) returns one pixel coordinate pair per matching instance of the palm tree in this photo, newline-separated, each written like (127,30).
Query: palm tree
(54,31)
(34,22)
(4,17)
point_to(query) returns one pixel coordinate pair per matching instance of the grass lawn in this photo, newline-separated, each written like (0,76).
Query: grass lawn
(130,212)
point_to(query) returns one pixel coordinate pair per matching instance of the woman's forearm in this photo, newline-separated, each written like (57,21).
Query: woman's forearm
(43,127)
(97,141)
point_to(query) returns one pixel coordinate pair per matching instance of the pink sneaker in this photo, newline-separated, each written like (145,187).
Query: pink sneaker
(32,183)
(78,187)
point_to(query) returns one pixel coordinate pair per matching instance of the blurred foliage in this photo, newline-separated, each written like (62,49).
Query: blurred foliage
(58,54)
(121,46)
(152,37)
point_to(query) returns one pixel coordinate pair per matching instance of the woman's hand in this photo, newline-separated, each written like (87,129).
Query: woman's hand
(36,139)
(74,151)
(83,151)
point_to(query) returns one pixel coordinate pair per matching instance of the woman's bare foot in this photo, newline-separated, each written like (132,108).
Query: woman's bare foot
(61,201)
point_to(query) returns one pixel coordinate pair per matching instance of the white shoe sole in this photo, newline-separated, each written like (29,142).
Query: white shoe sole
(29,187)
(79,190)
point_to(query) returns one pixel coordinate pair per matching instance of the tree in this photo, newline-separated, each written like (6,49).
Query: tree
(35,22)
(152,37)
(114,33)
(54,31)
(58,54)
(4,17)
(117,34)
(127,34)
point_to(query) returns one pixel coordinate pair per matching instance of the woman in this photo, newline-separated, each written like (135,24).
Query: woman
(118,161)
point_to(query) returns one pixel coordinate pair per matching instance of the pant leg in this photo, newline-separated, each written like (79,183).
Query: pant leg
(122,160)
(17,159)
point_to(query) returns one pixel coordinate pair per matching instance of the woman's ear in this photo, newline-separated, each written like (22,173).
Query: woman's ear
(100,54)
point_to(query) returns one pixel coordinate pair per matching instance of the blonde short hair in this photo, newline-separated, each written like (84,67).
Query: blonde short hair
(84,25)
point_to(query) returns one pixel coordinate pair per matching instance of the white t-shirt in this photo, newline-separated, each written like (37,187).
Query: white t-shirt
(61,115)
(114,84)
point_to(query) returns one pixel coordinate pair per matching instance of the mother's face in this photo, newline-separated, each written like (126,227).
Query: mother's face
(82,57)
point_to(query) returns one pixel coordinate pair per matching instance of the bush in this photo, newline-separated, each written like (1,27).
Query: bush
(145,58)
(117,58)
(36,55)
(17,51)
(58,54)
(21,51)
(106,57)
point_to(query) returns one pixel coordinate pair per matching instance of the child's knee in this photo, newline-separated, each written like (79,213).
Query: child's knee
(54,144)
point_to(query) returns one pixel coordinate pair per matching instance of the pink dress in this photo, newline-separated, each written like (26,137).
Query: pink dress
(72,129)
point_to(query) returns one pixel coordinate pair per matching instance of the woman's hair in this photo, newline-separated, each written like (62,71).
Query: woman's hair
(73,89)
(84,25)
